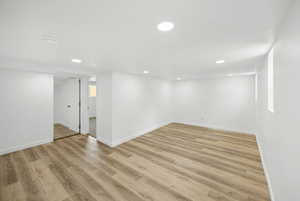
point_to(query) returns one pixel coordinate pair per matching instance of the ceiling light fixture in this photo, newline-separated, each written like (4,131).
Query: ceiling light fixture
(51,41)
(146,72)
(50,38)
(179,78)
(76,60)
(165,26)
(220,61)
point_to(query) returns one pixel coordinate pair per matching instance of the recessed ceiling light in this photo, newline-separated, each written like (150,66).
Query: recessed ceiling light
(51,41)
(146,72)
(179,78)
(165,26)
(50,38)
(76,60)
(220,61)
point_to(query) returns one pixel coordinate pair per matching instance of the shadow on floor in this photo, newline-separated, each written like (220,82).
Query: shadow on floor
(61,131)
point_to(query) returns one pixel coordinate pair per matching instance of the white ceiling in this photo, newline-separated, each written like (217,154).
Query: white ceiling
(121,35)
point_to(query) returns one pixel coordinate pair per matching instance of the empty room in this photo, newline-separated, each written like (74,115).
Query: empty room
(137,100)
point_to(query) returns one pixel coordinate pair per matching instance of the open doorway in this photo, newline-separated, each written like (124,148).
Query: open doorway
(66,107)
(92,91)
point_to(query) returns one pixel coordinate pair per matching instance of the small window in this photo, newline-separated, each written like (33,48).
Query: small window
(92,91)
(271,81)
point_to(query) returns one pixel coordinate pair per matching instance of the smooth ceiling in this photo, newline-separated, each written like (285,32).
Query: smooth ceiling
(122,36)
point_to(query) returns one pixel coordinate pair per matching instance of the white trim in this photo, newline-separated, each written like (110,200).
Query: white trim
(21,147)
(265,168)
(217,127)
(104,141)
(122,140)
(137,134)
(270,72)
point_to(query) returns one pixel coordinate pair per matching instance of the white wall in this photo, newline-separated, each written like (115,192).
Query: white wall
(140,104)
(104,108)
(66,93)
(222,102)
(85,124)
(26,110)
(279,131)
(135,104)
(131,105)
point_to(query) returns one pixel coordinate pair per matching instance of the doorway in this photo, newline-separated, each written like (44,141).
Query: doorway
(66,107)
(92,91)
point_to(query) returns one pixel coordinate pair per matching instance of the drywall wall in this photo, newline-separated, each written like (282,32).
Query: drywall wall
(135,104)
(85,124)
(26,105)
(140,104)
(104,108)
(131,105)
(279,131)
(66,103)
(221,102)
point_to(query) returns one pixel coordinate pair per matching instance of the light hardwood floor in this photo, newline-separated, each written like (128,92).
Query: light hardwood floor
(174,163)
(60,131)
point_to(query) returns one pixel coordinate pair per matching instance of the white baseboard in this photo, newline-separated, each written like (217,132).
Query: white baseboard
(265,168)
(117,142)
(137,134)
(217,127)
(21,147)
(104,141)
(122,140)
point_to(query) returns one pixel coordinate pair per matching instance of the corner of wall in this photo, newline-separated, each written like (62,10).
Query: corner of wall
(137,134)
(261,153)
(105,141)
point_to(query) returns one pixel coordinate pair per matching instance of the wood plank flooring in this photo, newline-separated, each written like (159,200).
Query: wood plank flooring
(61,131)
(173,163)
